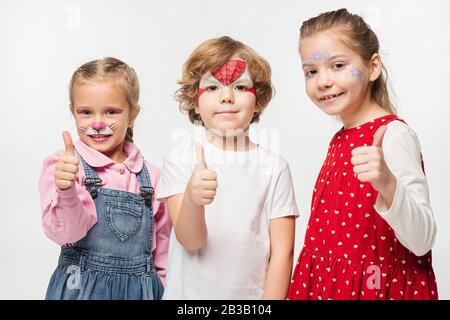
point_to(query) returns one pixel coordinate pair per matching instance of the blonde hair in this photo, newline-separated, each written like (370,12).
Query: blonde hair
(106,69)
(360,38)
(210,55)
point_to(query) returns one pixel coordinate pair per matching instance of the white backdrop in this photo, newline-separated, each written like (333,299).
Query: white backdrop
(43,42)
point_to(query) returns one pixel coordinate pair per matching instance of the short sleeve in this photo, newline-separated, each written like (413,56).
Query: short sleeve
(176,171)
(281,202)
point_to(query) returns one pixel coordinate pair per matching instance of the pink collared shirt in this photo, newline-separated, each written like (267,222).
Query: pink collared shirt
(68,215)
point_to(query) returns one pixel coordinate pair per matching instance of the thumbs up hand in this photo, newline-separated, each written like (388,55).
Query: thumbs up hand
(67,165)
(369,165)
(202,185)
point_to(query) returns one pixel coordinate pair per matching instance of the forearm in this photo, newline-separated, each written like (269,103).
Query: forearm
(386,191)
(278,277)
(412,220)
(65,220)
(190,226)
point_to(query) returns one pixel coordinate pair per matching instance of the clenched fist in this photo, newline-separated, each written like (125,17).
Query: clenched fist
(369,164)
(67,165)
(202,185)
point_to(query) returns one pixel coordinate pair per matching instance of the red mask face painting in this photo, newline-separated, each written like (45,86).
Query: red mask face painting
(233,72)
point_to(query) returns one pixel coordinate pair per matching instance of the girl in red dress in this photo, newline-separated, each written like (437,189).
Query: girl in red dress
(371,227)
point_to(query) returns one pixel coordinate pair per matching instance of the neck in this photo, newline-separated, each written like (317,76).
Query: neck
(237,142)
(117,154)
(366,112)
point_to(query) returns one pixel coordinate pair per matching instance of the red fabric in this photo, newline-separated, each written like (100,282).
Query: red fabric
(349,251)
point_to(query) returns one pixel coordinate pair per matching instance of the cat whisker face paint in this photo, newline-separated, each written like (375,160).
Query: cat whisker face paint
(99,132)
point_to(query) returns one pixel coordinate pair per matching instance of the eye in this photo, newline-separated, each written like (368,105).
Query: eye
(310,73)
(212,88)
(83,112)
(241,87)
(111,112)
(338,66)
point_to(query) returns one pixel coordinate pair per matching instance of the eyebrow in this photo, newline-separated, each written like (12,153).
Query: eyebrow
(336,56)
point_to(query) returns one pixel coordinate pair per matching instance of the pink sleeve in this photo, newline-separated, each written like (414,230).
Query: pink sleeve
(163,227)
(67,215)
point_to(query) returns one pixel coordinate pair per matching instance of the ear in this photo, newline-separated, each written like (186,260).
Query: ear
(375,67)
(133,115)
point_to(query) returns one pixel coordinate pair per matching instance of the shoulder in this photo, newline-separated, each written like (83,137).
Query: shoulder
(398,132)
(181,151)
(153,170)
(52,158)
(269,158)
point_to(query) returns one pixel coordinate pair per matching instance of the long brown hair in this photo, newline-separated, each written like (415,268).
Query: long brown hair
(106,69)
(359,37)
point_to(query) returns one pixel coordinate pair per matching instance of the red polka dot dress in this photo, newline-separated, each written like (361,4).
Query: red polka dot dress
(350,252)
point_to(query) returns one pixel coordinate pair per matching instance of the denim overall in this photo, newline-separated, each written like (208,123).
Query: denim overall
(114,260)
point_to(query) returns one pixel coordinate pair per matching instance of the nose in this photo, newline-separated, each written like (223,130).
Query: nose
(98,125)
(324,81)
(227,95)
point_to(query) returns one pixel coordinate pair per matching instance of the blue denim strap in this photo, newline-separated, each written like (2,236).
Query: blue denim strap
(91,181)
(145,185)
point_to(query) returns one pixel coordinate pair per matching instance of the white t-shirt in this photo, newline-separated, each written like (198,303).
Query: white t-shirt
(254,187)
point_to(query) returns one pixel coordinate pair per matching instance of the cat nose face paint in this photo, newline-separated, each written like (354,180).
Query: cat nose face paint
(98,125)
(233,72)
(98,128)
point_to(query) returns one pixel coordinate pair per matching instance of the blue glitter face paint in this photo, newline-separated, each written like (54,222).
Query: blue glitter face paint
(317,57)
(356,73)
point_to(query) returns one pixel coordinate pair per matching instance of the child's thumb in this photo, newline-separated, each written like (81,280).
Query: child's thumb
(200,157)
(68,144)
(378,136)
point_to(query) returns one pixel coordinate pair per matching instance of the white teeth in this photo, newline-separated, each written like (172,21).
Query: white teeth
(330,96)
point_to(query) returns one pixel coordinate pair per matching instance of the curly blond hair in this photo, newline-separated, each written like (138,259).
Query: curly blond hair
(210,55)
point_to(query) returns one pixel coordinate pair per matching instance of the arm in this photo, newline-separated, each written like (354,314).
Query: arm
(67,215)
(393,166)
(188,221)
(162,238)
(409,213)
(187,210)
(282,234)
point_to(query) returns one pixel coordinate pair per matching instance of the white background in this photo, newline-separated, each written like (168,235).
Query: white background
(43,42)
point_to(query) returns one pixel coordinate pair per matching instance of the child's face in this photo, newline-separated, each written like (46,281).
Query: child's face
(227,100)
(102,116)
(336,78)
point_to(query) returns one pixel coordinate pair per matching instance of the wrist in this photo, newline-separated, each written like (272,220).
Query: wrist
(387,190)
(192,199)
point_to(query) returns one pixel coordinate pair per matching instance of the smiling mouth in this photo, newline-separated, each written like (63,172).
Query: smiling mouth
(226,112)
(100,137)
(330,97)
